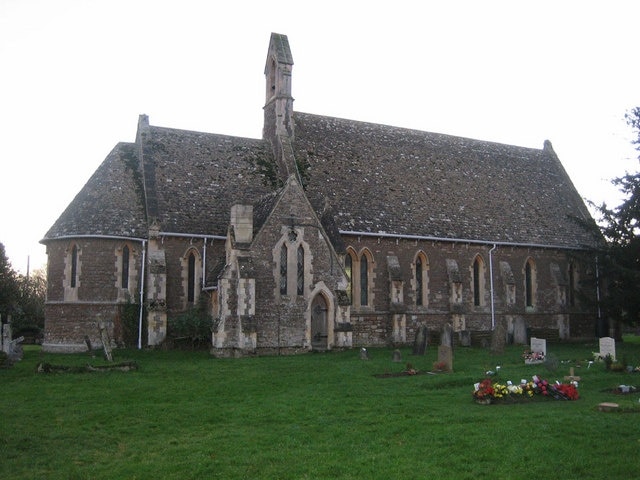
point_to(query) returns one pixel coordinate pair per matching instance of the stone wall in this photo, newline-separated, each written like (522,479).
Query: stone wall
(372,325)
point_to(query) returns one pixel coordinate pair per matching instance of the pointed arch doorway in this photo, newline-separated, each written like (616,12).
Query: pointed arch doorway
(319,315)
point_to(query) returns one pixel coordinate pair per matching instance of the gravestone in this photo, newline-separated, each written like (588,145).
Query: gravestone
(446,337)
(445,357)
(608,347)
(6,337)
(421,340)
(498,339)
(106,342)
(519,331)
(397,356)
(539,345)
(538,351)
(465,338)
(364,355)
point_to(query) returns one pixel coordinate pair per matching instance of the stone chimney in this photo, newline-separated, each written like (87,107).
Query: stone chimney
(242,223)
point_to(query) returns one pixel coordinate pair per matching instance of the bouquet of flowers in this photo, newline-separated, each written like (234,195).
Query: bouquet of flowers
(489,392)
(531,357)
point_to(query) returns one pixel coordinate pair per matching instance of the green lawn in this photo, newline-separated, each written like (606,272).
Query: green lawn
(187,415)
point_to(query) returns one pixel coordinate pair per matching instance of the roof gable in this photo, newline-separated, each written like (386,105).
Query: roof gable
(199,176)
(110,203)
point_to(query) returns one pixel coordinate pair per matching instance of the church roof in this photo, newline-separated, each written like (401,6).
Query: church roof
(360,177)
(384,179)
(110,203)
(197,177)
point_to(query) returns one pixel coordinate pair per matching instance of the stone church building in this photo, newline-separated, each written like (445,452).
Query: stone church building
(326,233)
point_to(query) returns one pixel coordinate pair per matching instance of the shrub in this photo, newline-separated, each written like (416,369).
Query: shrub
(190,329)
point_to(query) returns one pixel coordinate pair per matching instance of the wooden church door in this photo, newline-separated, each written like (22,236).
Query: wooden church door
(319,323)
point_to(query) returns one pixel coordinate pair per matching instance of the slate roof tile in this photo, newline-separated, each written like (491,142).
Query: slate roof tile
(361,177)
(384,179)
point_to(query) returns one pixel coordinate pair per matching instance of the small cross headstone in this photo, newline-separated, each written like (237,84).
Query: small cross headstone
(445,357)
(608,347)
(421,340)
(397,356)
(571,377)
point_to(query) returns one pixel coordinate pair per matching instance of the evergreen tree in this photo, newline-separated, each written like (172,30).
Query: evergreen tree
(9,291)
(620,227)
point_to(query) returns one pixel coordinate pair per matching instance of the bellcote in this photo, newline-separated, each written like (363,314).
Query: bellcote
(278,109)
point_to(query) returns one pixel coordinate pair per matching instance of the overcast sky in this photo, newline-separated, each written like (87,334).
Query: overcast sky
(75,75)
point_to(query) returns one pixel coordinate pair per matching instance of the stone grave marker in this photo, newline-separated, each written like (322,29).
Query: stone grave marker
(5,329)
(445,357)
(446,337)
(608,347)
(519,331)
(538,351)
(421,340)
(465,338)
(364,355)
(572,377)
(498,339)
(397,356)
(106,342)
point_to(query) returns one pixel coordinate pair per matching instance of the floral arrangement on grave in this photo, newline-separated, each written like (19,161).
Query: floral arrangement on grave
(410,370)
(439,366)
(486,391)
(531,357)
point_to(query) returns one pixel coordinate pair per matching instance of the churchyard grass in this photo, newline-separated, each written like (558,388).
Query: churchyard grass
(186,415)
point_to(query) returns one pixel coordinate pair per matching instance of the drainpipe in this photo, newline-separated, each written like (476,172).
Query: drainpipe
(493,312)
(144,250)
(599,320)
(204,262)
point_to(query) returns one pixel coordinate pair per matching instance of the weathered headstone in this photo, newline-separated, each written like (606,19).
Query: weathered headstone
(608,347)
(106,342)
(519,331)
(465,338)
(421,340)
(539,345)
(538,351)
(445,357)
(6,337)
(364,355)
(446,337)
(498,339)
(397,356)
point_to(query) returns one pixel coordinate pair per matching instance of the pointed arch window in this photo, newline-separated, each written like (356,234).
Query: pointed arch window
(124,280)
(421,279)
(478,281)
(572,285)
(419,300)
(348,268)
(300,265)
(74,267)
(529,283)
(364,280)
(191,278)
(358,268)
(283,269)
